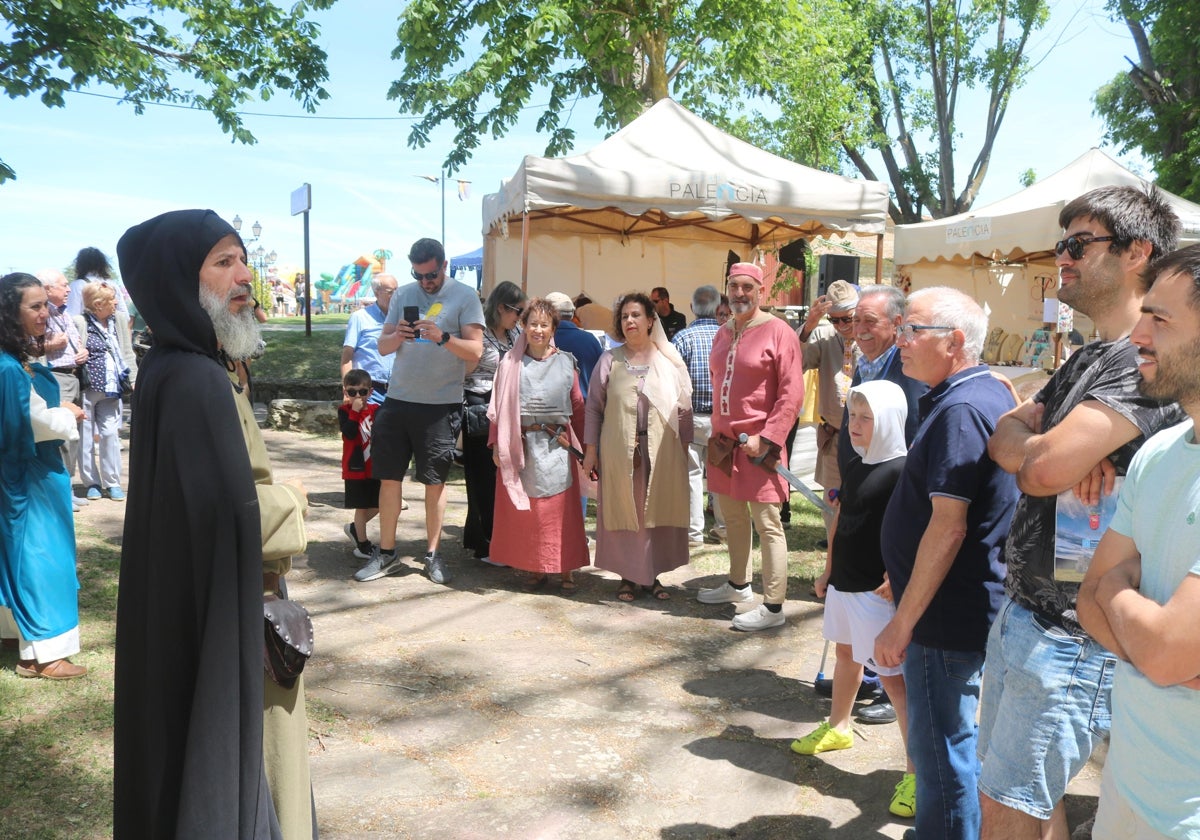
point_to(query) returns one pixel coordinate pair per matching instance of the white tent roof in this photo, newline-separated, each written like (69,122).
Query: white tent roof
(1025,224)
(673,172)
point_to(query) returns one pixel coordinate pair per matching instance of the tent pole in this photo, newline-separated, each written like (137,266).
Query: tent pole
(878,258)
(525,252)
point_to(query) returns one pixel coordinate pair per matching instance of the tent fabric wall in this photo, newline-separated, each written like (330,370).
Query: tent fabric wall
(1010,295)
(661,202)
(604,267)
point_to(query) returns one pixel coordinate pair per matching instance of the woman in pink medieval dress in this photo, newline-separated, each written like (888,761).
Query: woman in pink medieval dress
(537,413)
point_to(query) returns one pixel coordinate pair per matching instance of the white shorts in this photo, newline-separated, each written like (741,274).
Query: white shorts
(855,619)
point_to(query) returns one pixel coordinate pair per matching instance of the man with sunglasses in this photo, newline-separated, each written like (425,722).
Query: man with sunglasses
(360,347)
(1046,697)
(435,328)
(672,320)
(830,350)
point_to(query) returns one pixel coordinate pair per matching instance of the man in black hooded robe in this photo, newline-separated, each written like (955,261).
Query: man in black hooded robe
(188,754)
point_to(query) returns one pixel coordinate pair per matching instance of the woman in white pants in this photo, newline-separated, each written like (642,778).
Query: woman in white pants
(110,359)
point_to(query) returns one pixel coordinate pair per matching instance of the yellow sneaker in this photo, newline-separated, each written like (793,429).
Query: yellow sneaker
(904,800)
(823,739)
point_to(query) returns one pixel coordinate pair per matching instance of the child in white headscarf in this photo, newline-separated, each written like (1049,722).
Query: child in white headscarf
(858,598)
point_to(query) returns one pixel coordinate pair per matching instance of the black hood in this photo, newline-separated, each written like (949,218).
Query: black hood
(160,263)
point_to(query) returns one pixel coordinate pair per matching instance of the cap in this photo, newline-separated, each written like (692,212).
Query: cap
(562,303)
(842,296)
(746,270)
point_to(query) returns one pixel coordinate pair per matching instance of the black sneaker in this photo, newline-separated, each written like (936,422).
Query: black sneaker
(363,549)
(881,711)
(866,690)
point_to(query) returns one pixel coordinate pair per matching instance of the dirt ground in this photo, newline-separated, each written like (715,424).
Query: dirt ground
(475,710)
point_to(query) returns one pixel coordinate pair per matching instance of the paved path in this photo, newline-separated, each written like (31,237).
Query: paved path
(475,710)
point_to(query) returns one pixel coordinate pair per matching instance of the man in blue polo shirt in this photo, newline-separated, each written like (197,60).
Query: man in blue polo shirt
(943,542)
(579,343)
(360,347)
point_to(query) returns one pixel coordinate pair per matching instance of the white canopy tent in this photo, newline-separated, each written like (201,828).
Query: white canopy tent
(1003,253)
(661,203)
(1025,225)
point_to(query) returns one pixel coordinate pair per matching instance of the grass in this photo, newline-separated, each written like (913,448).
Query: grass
(293,355)
(317,319)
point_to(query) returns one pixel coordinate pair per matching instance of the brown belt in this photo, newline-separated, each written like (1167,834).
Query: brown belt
(540,427)
(270,581)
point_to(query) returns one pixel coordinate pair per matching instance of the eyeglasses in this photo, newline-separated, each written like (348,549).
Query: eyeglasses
(514,309)
(357,392)
(909,331)
(1074,245)
(433,275)
(848,319)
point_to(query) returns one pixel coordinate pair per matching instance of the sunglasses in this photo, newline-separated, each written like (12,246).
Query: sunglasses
(1074,245)
(909,331)
(433,275)
(514,309)
(357,392)
(848,319)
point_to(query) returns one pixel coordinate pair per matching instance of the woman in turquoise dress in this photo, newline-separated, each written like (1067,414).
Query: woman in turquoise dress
(39,592)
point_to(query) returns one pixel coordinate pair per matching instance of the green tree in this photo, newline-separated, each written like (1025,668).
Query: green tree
(1154,107)
(156,50)
(911,61)
(629,53)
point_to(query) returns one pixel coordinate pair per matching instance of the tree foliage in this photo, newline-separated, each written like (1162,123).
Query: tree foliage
(629,53)
(821,82)
(1155,106)
(211,54)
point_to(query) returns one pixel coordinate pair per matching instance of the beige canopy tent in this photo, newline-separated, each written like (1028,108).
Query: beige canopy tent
(661,203)
(1003,253)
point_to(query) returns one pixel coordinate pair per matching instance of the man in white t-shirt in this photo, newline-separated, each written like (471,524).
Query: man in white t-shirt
(1141,595)
(435,328)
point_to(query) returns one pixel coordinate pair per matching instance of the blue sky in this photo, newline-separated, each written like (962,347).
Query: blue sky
(89,171)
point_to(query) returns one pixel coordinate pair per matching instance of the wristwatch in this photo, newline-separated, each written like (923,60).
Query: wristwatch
(442,341)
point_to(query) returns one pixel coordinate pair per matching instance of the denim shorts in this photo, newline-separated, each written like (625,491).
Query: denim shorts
(1045,707)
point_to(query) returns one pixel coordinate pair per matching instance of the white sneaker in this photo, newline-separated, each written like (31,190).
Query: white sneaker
(725,594)
(759,618)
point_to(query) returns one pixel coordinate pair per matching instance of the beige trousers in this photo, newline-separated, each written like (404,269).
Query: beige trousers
(739,517)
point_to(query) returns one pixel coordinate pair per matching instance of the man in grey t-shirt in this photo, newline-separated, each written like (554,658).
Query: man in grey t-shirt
(435,328)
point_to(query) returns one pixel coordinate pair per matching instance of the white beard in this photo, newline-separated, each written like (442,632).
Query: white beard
(237,334)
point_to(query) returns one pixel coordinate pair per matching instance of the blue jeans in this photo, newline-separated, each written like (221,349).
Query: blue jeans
(943,696)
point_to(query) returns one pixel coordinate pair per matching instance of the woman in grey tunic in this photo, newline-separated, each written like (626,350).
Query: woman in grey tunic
(537,414)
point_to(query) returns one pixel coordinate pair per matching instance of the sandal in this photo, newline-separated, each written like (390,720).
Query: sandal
(568,587)
(533,584)
(627,591)
(659,592)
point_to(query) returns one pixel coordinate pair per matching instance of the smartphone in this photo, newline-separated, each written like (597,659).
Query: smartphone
(412,314)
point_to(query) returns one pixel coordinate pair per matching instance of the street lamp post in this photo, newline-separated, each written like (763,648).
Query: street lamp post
(441,181)
(257,258)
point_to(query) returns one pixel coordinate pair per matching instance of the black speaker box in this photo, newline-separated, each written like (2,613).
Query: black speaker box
(836,267)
